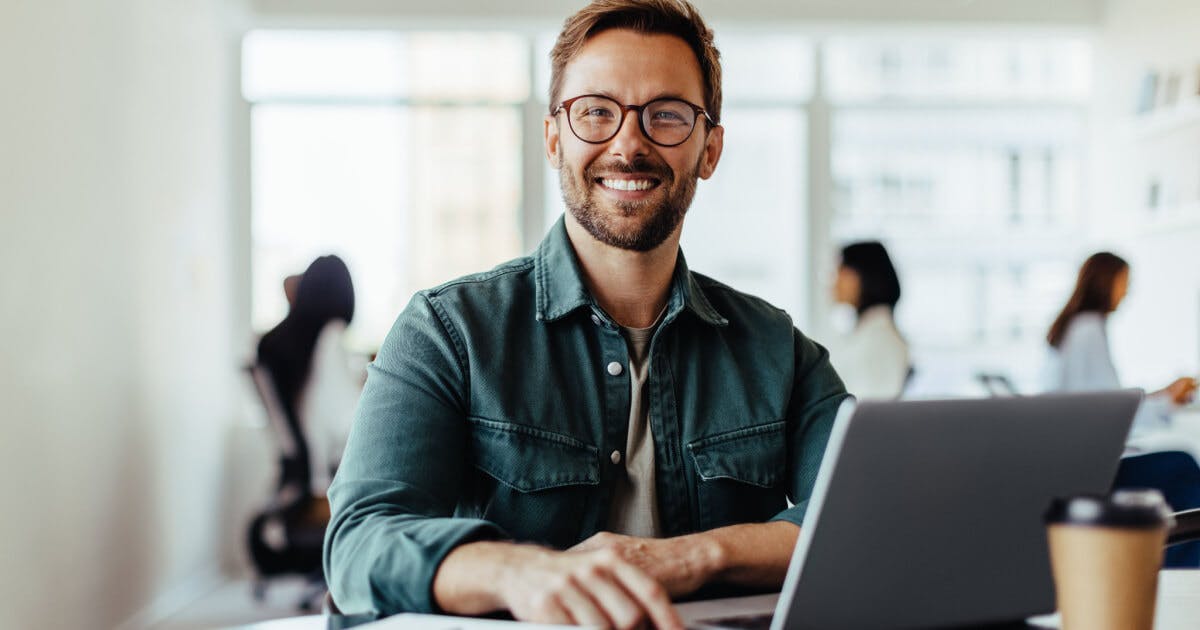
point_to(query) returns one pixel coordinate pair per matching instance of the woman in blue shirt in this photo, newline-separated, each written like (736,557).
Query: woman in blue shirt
(1079,342)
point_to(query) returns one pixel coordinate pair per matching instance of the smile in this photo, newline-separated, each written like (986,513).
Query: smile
(628,184)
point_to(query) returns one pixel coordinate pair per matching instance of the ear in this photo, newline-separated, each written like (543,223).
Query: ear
(712,151)
(550,137)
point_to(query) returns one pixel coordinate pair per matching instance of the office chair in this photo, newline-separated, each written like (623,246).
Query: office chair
(909,375)
(1177,476)
(286,537)
(997,384)
(1186,529)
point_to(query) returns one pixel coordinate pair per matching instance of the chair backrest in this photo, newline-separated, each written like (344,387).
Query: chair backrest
(909,375)
(1186,529)
(997,384)
(276,417)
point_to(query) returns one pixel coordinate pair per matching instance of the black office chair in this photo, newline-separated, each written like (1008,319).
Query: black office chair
(1186,529)
(1177,476)
(286,536)
(909,376)
(997,384)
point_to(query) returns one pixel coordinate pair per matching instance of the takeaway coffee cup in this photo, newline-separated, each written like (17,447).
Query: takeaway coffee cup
(1105,553)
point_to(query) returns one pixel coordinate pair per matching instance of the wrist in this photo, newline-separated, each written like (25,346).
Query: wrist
(505,581)
(472,578)
(710,555)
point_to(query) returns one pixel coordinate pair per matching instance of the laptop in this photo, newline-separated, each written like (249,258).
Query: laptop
(929,513)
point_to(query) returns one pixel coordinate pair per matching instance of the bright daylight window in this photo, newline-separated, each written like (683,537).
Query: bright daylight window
(398,152)
(402,152)
(966,158)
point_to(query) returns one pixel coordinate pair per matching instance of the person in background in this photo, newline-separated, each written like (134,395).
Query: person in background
(873,359)
(305,358)
(1080,358)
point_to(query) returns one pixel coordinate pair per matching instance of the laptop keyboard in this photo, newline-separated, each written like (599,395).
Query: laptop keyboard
(760,621)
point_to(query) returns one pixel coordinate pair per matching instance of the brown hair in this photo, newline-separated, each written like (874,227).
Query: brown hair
(1093,292)
(666,17)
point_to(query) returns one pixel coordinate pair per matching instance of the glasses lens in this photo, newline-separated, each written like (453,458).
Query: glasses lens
(668,121)
(595,118)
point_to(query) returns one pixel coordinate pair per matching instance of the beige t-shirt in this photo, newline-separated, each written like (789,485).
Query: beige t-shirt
(634,510)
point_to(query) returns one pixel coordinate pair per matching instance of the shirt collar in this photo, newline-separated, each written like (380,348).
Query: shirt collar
(878,312)
(560,289)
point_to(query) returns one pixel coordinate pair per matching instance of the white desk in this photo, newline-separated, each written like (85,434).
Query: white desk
(1182,435)
(1178,609)
(1178,605)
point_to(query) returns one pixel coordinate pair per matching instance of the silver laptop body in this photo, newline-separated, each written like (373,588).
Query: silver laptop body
(929,513)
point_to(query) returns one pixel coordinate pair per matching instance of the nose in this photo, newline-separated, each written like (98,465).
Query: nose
(629,143)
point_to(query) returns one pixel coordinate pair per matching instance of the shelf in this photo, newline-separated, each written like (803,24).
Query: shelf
(1161,122)
(1181,218)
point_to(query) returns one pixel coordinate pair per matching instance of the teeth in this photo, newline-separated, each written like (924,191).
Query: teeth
(628,184)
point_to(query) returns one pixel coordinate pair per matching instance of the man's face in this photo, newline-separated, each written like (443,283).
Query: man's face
(629,192)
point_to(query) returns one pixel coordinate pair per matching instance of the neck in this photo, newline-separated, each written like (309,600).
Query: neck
(630,286)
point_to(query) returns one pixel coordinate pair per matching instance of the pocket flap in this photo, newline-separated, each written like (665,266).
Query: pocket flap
(529,459)
(754,455)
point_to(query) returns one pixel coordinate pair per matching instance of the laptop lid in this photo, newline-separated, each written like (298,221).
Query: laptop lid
(929,513)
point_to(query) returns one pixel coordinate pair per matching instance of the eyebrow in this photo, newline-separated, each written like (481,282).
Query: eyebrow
(655,98)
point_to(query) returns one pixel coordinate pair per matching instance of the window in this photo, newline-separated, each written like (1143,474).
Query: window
(966,157)
(408,153)
(399,152)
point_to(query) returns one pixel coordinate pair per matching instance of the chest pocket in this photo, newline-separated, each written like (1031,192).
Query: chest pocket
(535,483)
(741,475)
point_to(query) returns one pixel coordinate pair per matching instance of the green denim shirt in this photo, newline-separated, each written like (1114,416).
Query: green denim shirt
(494,407)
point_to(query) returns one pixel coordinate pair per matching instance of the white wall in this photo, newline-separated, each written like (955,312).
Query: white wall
(485,12)
(1156,333)
(119,341)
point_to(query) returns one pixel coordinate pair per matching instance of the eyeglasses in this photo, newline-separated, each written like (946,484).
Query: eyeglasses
(667,122)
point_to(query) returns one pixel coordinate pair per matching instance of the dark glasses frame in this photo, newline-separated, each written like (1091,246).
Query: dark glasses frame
(625,109)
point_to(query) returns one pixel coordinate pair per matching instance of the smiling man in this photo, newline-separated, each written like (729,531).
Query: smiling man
(579,435)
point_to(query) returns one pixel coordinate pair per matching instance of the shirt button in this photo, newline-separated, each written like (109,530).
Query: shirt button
(595,319)
(615,457)
(614,368)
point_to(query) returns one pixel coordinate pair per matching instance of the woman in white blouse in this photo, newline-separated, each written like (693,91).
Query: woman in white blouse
(873,359)
(1080,358)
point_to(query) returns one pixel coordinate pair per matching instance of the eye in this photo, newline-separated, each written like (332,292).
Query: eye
(596,111)
(671,117)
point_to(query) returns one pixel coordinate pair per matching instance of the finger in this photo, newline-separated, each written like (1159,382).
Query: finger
(622,610)
(546,608)
(586,545)
(579,605)
(650,594)
(595,541)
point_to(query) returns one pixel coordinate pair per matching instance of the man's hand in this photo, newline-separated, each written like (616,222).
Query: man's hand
(592,588)
(752,554)
(609,580)
(681,564)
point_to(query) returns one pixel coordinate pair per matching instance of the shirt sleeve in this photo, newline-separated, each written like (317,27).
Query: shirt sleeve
(394,496)
(816,395)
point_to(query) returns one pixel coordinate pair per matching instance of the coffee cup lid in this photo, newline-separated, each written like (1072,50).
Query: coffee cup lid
(1123,508)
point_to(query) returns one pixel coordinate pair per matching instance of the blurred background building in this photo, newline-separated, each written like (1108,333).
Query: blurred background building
(165,165)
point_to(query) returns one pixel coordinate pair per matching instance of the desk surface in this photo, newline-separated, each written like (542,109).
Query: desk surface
(1178,609)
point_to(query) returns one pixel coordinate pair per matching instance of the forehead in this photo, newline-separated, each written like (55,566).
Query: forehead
(634,67)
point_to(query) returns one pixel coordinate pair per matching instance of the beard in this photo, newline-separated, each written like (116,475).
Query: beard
(659,220)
